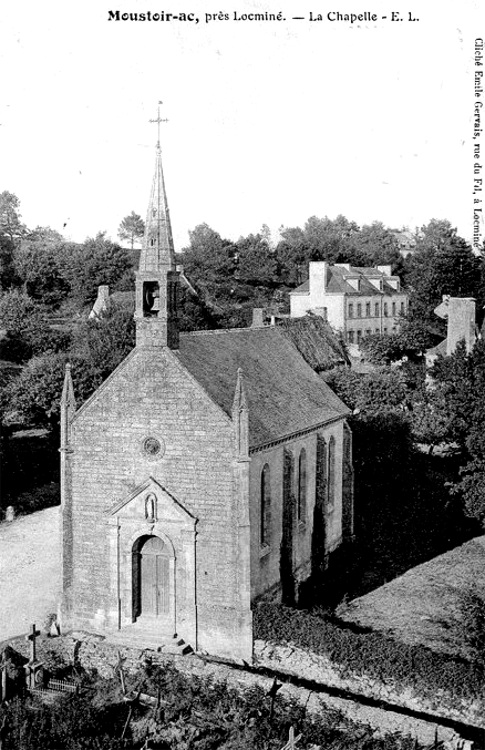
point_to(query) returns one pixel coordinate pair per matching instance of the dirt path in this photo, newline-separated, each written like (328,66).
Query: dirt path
(29,571)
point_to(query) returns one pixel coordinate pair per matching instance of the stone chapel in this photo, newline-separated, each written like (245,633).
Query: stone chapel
(209,470)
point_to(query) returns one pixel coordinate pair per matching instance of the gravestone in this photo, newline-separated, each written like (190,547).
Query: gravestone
(10,514)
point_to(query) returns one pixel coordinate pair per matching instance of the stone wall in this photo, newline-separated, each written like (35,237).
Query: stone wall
(95,652)
(266,560)
(152,395)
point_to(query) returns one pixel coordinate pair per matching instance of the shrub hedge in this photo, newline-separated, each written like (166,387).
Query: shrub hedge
(372,654)
(200,714)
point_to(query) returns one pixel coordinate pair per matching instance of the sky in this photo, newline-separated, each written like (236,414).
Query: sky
(268,122)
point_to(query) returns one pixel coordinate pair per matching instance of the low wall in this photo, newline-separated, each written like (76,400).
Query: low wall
(95,652)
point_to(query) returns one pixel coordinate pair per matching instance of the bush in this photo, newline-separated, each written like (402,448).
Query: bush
(195,713)
(472,624)
(371,654)
(38,498)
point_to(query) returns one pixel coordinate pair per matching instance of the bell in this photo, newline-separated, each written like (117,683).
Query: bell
(156,302)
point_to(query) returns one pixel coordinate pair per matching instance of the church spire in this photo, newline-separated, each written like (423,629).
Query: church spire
(157,278)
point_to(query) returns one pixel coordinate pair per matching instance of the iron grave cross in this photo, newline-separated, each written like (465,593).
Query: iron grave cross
(158,121)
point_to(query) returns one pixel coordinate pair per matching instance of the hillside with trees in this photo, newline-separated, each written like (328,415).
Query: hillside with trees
(48,285)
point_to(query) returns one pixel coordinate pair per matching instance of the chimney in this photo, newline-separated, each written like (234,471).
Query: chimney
(103,293)
(101,302)
(317,283)
(461,323)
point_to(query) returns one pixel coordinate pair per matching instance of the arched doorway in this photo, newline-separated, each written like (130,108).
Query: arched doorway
(152,578)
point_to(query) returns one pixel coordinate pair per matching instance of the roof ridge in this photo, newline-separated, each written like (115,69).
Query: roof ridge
(219,331)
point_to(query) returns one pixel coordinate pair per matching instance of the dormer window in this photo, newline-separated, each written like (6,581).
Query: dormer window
(354,283)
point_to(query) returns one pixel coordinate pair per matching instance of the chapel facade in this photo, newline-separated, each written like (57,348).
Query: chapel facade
(210,469)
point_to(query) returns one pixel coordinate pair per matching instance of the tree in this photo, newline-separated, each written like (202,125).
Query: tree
(382,348)
(376,393)
(38,263)
(292,256)
(256,263)
(209,258)
(97,261)
(27,332)
(442,264)
(10,223)
(101,343)
(457,377)
(34,397)
(338,240)
(461,377)
(377,245)
(329,239)
(194,315)
(97,348)
(431,420)
(7,270)
(132,228)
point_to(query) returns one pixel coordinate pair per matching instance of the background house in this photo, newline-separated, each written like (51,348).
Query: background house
(356,301)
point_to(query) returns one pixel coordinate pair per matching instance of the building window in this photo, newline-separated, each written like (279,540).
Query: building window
(359,310)
(331,472)
(359,336)
(394,329)
(402,308)
(385,310)
(393,309)
(376,309)
(385,330)
(302,481)
(368,331)
(265,507)
(367,309)
(351,310)
(350,337)
(377,330)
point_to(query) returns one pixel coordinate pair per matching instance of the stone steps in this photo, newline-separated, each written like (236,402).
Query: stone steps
(149,640)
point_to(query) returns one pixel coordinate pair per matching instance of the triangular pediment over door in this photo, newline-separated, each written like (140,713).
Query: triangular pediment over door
(151,530)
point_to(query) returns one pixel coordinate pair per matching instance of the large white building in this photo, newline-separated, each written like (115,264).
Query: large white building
(356,301)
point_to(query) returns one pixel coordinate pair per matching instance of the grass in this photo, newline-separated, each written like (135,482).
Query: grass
(423,605)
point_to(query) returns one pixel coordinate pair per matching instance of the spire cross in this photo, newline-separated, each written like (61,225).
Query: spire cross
(158,121)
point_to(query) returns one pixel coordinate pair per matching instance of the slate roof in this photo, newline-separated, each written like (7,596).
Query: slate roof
(284,394)
(337,284)
(316,341)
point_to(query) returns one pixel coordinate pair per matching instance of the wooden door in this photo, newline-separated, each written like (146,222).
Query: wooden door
(155,578)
